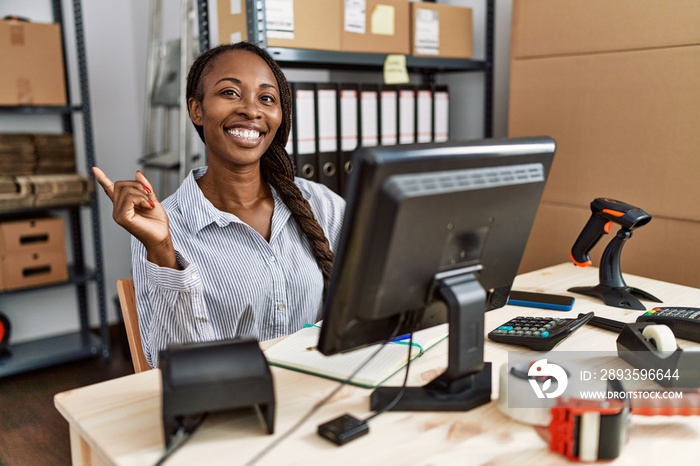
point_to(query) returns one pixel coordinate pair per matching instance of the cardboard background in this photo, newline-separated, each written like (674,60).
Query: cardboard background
(625,122)
(567,27)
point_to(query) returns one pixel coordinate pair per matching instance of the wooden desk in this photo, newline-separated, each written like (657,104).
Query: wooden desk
(118,422)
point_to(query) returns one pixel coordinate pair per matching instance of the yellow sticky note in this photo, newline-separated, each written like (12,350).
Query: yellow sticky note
(395,71)
(382,20)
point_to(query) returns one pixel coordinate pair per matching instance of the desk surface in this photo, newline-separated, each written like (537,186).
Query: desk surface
(118,422)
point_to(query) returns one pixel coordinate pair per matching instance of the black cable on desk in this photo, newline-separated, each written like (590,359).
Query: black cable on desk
(403,386)
(178,440)
(325,399)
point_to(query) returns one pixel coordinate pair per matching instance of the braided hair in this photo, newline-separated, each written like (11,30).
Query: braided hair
(276,165)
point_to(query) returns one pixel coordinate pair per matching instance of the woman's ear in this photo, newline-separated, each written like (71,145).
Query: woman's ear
(195,111)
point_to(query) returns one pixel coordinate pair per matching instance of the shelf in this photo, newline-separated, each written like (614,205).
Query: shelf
(306,59)
(45,352)
(29,212)
(41,110)
(73,279)
(49,351)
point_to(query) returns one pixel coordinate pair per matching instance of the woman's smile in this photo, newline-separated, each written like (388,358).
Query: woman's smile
(247,137)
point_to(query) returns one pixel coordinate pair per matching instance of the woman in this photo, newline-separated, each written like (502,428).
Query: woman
(242,248)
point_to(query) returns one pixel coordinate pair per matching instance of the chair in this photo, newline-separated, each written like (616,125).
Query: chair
(127,302)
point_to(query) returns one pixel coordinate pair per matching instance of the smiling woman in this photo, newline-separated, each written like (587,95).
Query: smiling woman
(242,248)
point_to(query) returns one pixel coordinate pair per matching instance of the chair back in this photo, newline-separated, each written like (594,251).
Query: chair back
(127,301)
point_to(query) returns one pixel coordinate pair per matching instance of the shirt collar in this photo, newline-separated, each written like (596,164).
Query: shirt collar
(199,212)
(196,209)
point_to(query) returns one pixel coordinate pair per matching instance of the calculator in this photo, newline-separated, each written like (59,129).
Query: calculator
(537,333)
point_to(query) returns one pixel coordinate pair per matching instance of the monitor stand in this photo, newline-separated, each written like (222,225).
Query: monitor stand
(466,383)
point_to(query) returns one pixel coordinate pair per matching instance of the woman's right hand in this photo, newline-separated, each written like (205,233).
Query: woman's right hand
(137,209)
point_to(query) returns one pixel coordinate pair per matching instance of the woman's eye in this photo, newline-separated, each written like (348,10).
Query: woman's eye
(229,92)
(267,98)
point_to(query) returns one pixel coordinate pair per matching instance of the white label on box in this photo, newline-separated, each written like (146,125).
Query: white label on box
(356,16)
(236,37)
(279,19)
(427,31)
(236,7)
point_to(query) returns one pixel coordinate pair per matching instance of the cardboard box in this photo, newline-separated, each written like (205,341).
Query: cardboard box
(17,154)
(32,71)
(55,153)
(313,24)
(59,189)
(566,27)
(623,111)
(31,236)
(441,30)
(15,194)
(34,269)
(626,126)
(384,28)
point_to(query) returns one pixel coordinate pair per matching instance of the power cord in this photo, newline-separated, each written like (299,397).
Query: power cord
(399,395)
(347,428)
(178,440)
(325,399)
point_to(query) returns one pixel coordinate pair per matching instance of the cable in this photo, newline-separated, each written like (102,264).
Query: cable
(399,395)
(178,440)
(325,399)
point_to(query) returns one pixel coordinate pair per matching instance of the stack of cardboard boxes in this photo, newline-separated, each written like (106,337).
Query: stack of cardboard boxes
(616,85)
(371,26)
(39,171)
(32,253)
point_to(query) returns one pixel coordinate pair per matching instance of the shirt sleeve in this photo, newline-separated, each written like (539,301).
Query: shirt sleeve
(170,303)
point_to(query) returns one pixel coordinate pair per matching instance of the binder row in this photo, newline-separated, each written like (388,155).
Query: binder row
(331,120)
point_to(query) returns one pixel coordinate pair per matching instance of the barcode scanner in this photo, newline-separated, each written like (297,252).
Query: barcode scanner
(604,213)
(612,288)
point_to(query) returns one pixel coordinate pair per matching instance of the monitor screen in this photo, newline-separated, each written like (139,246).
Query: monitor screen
(432,230)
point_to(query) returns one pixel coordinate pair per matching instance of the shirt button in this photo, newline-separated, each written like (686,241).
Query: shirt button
(195,275)
(272,258)
(280,307)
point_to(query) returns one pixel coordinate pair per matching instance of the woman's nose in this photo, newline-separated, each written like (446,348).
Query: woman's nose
(249,108)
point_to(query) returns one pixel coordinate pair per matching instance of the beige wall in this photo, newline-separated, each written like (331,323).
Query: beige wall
(623,103)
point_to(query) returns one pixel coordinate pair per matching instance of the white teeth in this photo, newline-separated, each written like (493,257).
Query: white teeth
(244,133)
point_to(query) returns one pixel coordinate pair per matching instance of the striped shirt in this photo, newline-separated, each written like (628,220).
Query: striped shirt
(233,282)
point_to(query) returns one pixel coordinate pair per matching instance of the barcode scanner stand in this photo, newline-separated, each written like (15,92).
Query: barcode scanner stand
(612,288)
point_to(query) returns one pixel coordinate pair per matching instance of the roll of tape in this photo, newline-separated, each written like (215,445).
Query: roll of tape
(660,337)
(517,388)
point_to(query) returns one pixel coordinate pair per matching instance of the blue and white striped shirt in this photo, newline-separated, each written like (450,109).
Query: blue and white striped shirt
(233,282)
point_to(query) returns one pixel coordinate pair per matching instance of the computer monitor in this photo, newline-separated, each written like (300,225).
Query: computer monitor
(433,233)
